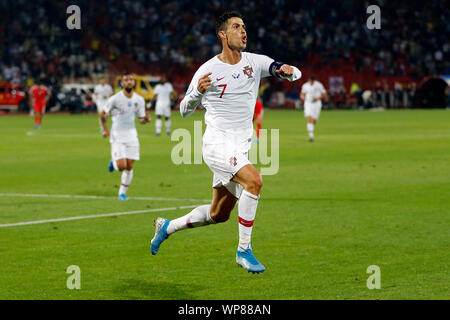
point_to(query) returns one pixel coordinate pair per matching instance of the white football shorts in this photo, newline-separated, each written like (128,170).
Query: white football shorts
(225,154)
(121,150)
(312,109)
(162,109)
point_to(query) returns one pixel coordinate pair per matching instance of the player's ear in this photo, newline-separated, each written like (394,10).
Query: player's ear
(222,34)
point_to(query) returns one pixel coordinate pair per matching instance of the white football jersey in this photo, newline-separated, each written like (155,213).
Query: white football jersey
(163,91)
(312,91)
(230,102)
(123,112)
(101,92)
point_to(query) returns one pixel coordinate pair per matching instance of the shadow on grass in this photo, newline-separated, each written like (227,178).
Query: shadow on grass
(154,290)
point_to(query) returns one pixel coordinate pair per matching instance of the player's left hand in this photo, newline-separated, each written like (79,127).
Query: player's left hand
(285,71)
(145,119)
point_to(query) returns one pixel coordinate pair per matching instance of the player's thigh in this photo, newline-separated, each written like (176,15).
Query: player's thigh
(222,204)
(121,164)
(38,108)
(249,177)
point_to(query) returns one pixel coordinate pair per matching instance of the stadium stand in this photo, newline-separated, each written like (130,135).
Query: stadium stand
(324,38)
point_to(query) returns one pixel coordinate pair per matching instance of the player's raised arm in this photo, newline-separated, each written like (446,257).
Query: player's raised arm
(285,71)
(194,94)
(271,67)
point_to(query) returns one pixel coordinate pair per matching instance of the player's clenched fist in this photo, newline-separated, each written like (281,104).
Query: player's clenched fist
(285,71)
(204,83)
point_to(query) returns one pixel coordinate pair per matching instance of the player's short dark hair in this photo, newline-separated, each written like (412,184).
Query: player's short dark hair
(312,77)
(221,23)
(126,73)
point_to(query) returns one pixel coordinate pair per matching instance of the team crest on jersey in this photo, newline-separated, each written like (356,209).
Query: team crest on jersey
(236,75)
(233,161)
(136,104)
(248,71)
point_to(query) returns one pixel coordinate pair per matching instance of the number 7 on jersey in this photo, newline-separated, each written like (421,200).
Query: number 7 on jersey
(223,90)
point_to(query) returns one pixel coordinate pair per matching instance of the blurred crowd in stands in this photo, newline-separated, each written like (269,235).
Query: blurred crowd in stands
(180,34)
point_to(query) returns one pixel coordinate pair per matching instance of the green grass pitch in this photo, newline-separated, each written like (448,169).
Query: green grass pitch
(374,189)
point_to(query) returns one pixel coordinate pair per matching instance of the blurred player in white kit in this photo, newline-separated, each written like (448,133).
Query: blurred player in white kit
(124,106)
(102,92)
(312,94)
(163,95)
(227,86)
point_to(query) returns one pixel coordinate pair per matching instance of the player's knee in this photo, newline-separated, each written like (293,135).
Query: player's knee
(255,184)
(220,217)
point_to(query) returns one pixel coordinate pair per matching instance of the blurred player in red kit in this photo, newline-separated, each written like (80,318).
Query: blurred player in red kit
(257,117)
(39,96)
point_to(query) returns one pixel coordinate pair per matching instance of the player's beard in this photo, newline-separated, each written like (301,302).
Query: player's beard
(237,47)
(128,90)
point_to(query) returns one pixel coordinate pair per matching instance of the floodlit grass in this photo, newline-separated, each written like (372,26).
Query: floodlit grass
(372,190)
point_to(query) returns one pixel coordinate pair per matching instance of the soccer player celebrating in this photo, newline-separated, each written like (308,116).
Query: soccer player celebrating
(163,94)
(123,107)
(227,86)
(257,117)
(102,92)
(39,96)
(312,94)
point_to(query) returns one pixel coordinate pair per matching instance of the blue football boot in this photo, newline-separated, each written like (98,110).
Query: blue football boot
(161,225)
(247,260)
(123,196)
(110,166)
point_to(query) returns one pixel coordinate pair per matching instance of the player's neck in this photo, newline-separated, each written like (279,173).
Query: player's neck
(230,56)
(128,95)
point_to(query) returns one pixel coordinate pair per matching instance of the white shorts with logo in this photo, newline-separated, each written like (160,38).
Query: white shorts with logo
(312,109)
(162,109)
(120,150)
(225,154)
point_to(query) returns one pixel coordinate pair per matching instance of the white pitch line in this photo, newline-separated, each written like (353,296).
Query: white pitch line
(94,216)
(74,196)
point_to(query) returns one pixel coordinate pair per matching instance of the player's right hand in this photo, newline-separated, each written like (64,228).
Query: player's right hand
(105,134)
(204,83)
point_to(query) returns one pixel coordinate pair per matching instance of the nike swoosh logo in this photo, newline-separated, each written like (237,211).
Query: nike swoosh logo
(218,79)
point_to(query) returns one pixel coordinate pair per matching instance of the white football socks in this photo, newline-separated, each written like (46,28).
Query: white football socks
(198,217)
(127,176)
(248,203)
(158,125)
(310,128)
(168,125)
